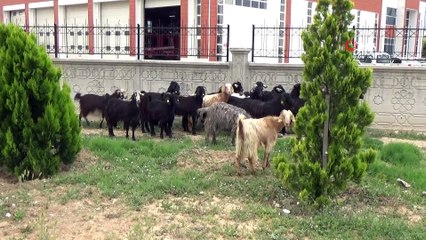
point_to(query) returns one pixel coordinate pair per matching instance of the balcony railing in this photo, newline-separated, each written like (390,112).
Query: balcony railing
(167,43)
(286,43)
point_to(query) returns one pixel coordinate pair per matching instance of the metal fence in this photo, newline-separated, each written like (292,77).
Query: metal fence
(284,43)
(169,43)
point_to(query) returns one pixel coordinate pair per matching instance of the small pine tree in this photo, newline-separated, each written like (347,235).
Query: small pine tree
(330,71)
(39,127)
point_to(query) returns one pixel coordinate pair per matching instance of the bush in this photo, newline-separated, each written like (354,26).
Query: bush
(401,154)
(328,150)
(39,127)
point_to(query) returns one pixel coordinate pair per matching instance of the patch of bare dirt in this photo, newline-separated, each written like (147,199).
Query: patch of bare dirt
(50,215)
(418,143)
(85,159)
(184,218)
(205,159)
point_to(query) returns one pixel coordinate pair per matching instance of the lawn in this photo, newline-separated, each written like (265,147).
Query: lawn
(182,188)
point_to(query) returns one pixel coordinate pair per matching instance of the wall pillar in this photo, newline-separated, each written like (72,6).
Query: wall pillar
(132,24)
(1,15)
(55,12)
(239,66)
(91,26)
(27,18)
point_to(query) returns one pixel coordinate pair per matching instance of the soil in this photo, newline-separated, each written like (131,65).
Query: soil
(40,209)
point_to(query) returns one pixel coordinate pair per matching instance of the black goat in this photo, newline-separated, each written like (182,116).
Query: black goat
(188,106)
(90,103)
(126,111)
(257,91)
(162,111)
(173,88)
(258,109)
(268,95)
(296,101)
(238,87)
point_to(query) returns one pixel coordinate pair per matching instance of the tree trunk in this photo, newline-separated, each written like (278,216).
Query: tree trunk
(325,135)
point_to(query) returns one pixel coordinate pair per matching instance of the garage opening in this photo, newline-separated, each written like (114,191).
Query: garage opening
(162,33)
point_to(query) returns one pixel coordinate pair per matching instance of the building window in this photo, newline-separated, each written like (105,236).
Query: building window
(219,44)
(389,45)
(375,30)
(391,16)
(309,14)
(281,30)
(261,4)
(358,21)
(219,8)
(198,28)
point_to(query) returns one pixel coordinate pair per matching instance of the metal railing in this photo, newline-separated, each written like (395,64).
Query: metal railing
(170,43)
(285,42)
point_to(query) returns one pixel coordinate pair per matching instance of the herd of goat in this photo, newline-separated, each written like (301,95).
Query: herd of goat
(254,118)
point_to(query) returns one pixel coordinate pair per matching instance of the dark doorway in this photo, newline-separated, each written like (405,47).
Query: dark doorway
(162,33)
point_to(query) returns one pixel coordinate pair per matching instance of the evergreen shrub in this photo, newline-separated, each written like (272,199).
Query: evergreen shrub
(329,70)
(39,127)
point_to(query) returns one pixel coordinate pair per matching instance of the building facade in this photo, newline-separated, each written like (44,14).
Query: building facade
(391,26)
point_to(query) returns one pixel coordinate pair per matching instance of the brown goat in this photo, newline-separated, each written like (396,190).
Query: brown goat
(254,132)
(289,120)
(222,96)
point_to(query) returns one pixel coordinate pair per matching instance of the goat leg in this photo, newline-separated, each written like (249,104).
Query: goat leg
(100,124)
(110,131)
(185,123)
(79,118)
(169,130)
(126,128)
(214,137)
(102,120)
(265,160)
(134,126)
(194,123)
(162,125)
(161,133)
(238,165)
(147,126)
(151,126)
(143,126)
(87,121)
(251,164)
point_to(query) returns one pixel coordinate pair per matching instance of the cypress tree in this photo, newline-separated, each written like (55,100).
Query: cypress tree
(326,153)
(39,127)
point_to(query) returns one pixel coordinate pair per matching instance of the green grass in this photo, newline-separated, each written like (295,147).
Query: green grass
(148,169)
(412,135)
(140,170)
(400,160)
(401,154)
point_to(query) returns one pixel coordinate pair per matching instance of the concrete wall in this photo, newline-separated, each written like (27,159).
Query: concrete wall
(397,96)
